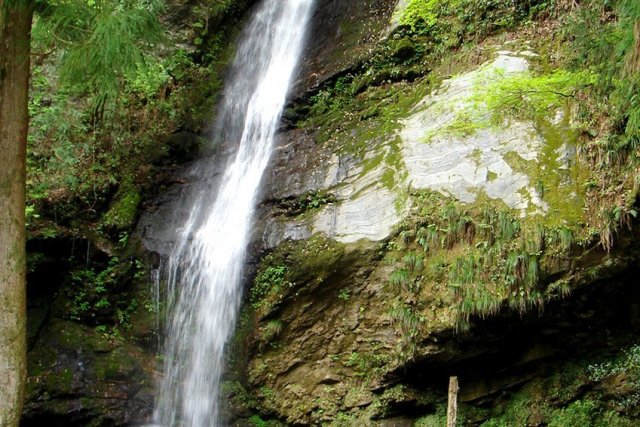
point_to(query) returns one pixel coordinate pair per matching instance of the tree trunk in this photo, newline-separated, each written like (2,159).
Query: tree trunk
(15,35)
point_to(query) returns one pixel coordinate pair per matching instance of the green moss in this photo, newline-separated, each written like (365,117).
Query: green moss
(239,351)
(292,266)
(118,364)
(59,381)
(579,413)
(474,260)
(314,259)
(570,396)
(420,11)
(73,336)
(124,210)
(528,96)
(403,49)
(432,420)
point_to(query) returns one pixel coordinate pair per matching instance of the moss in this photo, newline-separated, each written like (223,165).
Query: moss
(568,396)
(59,382)
(432,420)
(239,347)
(124,210)
(403,49)
(560,188)
(115,365)
(372,119)
(577,413)
(293,266)
(314,259)
(73,336)
(474,261)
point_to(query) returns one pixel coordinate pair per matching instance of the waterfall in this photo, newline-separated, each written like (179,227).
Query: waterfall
(204,270)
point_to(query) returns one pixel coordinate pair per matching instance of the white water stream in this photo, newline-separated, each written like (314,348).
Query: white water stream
(205,268)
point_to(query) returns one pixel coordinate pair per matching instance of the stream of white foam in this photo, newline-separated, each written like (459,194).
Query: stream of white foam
(204,271)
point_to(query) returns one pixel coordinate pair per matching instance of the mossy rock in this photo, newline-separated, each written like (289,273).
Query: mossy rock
(123,211)
(403,49)
(118,364)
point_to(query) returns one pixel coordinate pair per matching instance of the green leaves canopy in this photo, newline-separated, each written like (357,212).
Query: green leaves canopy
(105,41)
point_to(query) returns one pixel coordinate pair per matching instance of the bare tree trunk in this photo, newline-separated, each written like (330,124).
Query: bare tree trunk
(15,34)
(452,408)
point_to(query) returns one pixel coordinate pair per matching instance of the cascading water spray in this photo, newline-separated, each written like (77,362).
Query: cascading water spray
(204,269)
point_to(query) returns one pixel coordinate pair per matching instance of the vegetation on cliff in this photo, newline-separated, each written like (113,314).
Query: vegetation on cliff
(452,265)
(331,333)
(121,93)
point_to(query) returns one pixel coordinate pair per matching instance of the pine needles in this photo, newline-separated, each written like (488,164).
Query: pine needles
(105,42)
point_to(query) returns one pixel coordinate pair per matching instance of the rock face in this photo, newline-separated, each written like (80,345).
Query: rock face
(347,331)
(77,377)
(84,368)
(389,234)
(463,165)
(342,34)
(398,217)
(449,145)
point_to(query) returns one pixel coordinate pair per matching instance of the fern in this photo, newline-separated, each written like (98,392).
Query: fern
(399,277)
(413,261)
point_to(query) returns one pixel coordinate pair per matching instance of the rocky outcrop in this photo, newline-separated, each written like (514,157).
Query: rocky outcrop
(91,336)
(410,230)
(81,377)
(428,217)
(342,34)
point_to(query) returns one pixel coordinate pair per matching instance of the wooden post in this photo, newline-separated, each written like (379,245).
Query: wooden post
(452,408)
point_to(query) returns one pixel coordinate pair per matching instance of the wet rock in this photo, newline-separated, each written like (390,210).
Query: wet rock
(80,377)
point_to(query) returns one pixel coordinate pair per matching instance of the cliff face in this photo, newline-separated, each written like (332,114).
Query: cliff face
(427,215)
(433,208)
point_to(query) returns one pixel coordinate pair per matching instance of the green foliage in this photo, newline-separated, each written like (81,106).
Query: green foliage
(604,43)
(431,421)
(597,36)
(124,210)
(448,22)
(257,421)
(627,366)
(481,255)
(90,289)
(409,325)
(579,413)
(627,363)
(413,261)
(422,12)
(399,277)
(364,365)
(271,331)
(307,202)
(270,279)
(474,295)
(517,413)
(105,42)
(344,294)
(124,88)
(522,95)
(427,237)
(531,96)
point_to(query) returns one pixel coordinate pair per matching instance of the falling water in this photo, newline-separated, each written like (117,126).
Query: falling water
(205,267)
